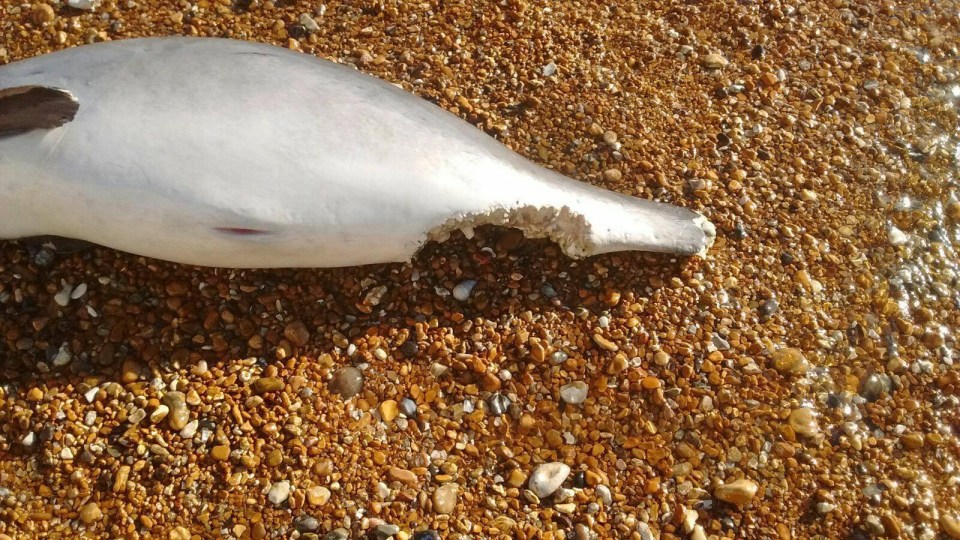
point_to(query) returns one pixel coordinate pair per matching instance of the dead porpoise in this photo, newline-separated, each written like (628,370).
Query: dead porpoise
(226,153)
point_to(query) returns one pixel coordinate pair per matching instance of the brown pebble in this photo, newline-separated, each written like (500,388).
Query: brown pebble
(389,410)
(297,333)
(90,513)
(220,452)
(403,475)
(605,343)
(267,384)
(950,526)
(42,13)
(347,382)
(790,361)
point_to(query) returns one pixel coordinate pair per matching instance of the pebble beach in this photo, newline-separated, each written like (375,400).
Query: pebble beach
(799,381)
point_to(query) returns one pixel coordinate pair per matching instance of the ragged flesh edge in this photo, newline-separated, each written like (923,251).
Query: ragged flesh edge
(566,228)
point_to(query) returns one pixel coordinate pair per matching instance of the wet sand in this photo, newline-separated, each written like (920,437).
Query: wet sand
(798,382)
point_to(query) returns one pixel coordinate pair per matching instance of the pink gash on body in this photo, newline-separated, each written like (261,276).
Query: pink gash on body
(228,153)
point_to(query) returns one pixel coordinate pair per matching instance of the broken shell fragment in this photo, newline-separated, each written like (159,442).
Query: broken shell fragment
(332,168)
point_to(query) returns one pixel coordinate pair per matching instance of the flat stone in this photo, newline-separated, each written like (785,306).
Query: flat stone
(574,393)
(715,61)
(403,475)
(267,384)
(739,492)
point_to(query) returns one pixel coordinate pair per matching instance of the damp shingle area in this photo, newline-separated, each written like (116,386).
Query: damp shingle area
(798,381)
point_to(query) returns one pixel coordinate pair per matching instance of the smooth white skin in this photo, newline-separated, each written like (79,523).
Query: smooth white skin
(178,138)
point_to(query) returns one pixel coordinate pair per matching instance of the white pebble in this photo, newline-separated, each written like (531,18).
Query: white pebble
(62,298)
(86,5)
(63,356)
(79,291)
(279,492)
(605,495)
(548,478)
(462,291)
(574,393)
(549,69)
(897,237)
(309,23)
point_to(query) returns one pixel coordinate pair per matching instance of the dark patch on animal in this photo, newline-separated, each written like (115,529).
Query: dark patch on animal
(24,108)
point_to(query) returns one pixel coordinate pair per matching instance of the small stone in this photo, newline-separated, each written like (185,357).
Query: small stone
(548,478)
(220,452)
(297,333)
(389,410)
(308,22)
(498,404)
(715,61)
(337,534)
(274,458)
(85,5)
(408,407)
(445,498)
(62,298)
(804,422)
(896,237)
(386,530)
(347,382)
(279,492)
(605,343)
(913,441)
(739,492)
(875,385)
(190,429)
(769,79)
(403,475)
(159,413)
(606,497)
(130,371)
(264,385)
(179,533)
(549,69)
(768,308)
(574,393)
(318,495)
(34,394)
(306,523)
(90,513)
(891,525)
(950,526)
(42,13)
(462,291)
(516,478)
(790,361)
(612,175)
(179,413)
